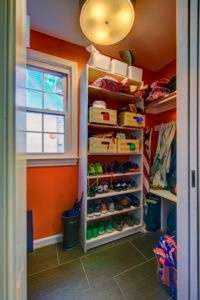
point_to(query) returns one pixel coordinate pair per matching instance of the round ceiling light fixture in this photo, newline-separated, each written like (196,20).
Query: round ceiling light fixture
(106,22)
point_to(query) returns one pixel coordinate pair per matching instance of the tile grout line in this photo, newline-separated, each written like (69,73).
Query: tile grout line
(57,254)
(54,267)
(138,250)
(85,273)
(132,268)
(122,292)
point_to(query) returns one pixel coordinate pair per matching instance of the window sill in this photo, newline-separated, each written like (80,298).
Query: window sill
(51,162)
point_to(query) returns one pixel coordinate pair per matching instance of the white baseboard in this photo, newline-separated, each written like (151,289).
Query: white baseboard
(50,240)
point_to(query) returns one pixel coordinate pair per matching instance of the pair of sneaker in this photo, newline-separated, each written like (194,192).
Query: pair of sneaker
(121,221)
(95,169)
(100,207)
(99,229)
(123,185)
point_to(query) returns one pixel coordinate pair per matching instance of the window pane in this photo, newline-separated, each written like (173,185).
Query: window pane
(53,123)
(34,79)
(53,102)
(53,143)
(53,84)
(33,99)
(34,122)
(34,142)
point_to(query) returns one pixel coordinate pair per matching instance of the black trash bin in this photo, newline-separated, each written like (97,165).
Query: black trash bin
(70,230)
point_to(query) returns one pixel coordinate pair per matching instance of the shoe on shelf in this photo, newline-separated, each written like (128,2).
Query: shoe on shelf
(89,234)
(110,205)
(134,201)
(106,187)
(95,232)
(109,227)
(92,191)
(132,184)
(90,210)
(137,221)
(101,229)
(100,189)
(117,186)
(104,208)
(97,210)
(129,220)
(118,224)
(118,206)
(91,170)
(124,201)
(124,185)
(98,168)
(134,167)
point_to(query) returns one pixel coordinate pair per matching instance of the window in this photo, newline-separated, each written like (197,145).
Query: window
(51,109)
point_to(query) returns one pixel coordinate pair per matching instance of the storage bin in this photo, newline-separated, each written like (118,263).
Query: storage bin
(119,67)
(102,145)
(128,145)
(100,61)
(131,120)
(102,116)
(152,215)
(135,73)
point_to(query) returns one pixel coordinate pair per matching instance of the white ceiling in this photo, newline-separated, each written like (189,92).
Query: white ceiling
(153,36)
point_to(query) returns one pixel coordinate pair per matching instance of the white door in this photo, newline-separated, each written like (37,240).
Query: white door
(12,155)
(187,144)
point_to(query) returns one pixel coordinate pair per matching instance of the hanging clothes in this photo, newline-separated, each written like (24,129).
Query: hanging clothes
(147,159)
(171,176)
(162,160)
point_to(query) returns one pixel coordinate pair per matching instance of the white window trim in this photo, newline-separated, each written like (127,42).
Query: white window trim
(54,63)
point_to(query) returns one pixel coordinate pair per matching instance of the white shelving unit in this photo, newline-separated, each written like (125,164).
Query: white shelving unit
(162,105)
(88,94)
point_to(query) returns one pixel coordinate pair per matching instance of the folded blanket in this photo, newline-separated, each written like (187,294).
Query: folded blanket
(111,84)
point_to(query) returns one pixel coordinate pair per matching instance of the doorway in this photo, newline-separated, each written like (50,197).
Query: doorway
(187,111)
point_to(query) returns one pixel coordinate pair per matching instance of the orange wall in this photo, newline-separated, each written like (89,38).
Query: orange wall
(50,190)
(168,71)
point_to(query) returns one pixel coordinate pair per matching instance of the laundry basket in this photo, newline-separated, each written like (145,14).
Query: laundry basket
(166,256)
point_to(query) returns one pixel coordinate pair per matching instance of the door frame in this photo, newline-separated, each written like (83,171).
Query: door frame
(12,194)
(188,70)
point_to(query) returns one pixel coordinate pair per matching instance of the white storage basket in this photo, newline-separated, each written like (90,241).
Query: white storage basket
(100,61)
(119,67)
(135,73)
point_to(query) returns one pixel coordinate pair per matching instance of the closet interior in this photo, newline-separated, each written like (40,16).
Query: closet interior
(127,154)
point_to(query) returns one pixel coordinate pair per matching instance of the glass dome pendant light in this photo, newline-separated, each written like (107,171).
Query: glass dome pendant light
(106,22)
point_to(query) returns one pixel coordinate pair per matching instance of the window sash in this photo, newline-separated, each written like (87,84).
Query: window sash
(70,69)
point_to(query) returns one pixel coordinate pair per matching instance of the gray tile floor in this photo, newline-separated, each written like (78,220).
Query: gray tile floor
(123,270)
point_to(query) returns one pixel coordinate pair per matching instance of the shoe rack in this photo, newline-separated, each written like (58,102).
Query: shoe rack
(88,93)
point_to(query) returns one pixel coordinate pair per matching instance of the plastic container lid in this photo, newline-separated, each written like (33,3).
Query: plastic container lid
(99,104)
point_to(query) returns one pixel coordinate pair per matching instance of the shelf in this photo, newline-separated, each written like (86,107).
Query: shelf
(114,213)
(103,94)
(164,194)
(162,105)
(95,73)
(114,175)
(109,237)
(115,154)
(115,193)
(111,127)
